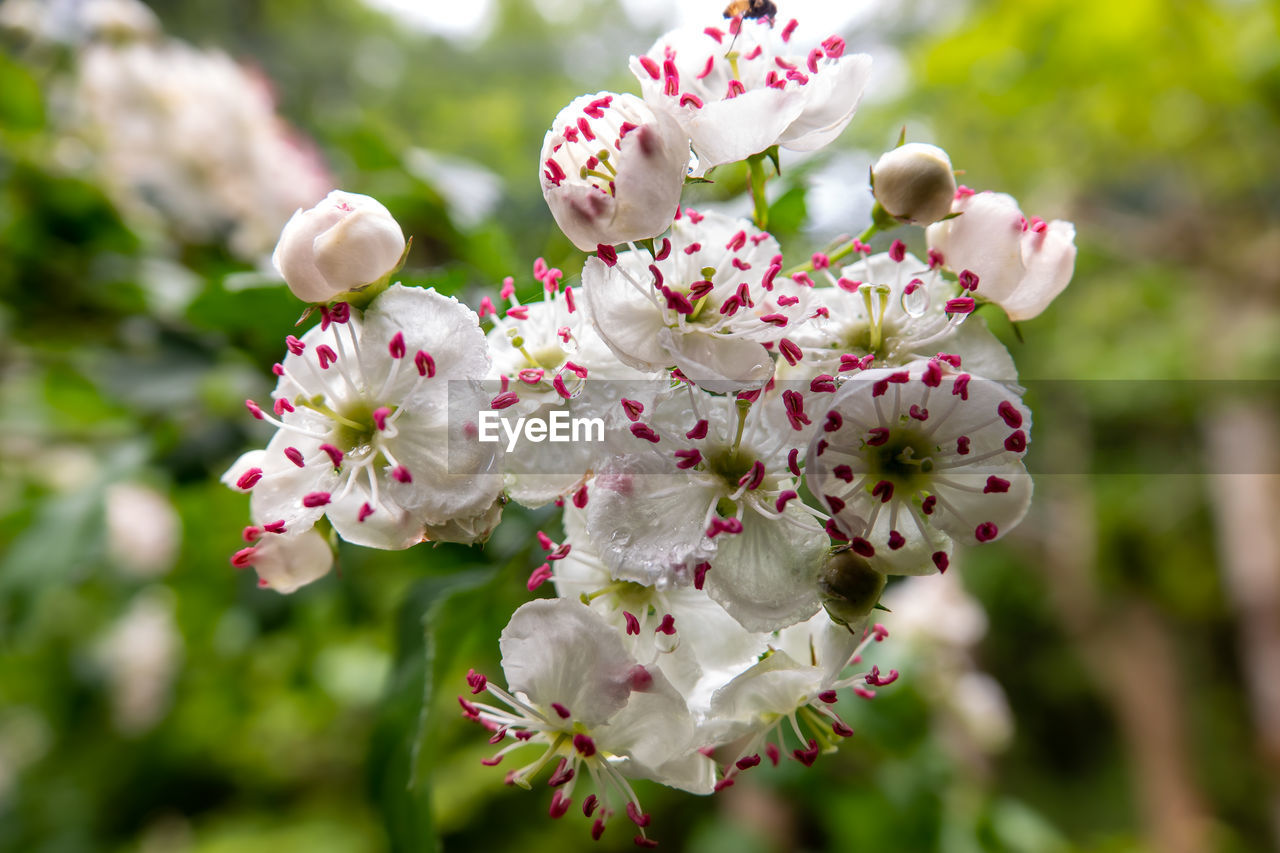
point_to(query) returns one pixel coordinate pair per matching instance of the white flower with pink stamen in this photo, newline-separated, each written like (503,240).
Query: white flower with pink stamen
(374,426)
(590,709)
(1018,263)
(547,356)
(784,704)
(285,561)
(897,309)
(612,170)
(708,496)
(909,459)
(692,639)
(711,302)
(739,92)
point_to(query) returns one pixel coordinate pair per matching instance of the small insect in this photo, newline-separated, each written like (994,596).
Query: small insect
(751,9)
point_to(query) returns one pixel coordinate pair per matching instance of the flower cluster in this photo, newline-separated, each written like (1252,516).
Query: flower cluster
(764,440)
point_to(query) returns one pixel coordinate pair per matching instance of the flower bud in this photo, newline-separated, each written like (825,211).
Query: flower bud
(850,587)
(344,242)
(914,183)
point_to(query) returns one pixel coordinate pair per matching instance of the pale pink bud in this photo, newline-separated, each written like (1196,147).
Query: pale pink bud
(344,242)
(914,183)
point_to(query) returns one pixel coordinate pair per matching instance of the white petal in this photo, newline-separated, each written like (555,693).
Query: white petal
(626,320)
(718,363)
(292,560)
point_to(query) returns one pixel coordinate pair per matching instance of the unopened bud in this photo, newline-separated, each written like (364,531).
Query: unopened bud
(345,242)
(850,587)
(914,183)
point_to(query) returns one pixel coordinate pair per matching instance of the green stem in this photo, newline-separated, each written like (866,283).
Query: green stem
(841,253)
(755,164)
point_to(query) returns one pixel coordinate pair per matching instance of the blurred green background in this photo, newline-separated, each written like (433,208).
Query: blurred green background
(152,699)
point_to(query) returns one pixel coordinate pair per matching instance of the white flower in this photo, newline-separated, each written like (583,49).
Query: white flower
(579,697)
(892,307)
(548,358)
(140,654)
(739,93)
(907,459)
(1020,264)
(612,170)
(709,302)
(344,242)
(707,494)
(143,529)
(285,561)
(692,639)
(791,692)
(376,431)
(914,183)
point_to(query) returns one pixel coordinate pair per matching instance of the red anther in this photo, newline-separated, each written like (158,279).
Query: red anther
(509,283)
(877,436)
(962,445)
(560,553)
(875,679)
(639,678)
(559,804)
(688,97)
(539,576)
(597,828)
(700,289)
(639,819)
(254,409)
(730,306)
(626,128)
(551,281)
(667,626)
(589,805)
(715,33)
(995,485)
(249,479)
(834,47)
(633,624)
(932,374)
(688,458)
(486,308)
(665,251)
(311,500)
(735,89)
(912,286)
(840,728)
(961,386)
(585,127)
(632,409)
(505,399)
(277,369)
(561,388)
(476,681)
(531,375)
(596,108)
(560,710)
(1010,414)
(793,405)
(829,696)
(896,540)
(834,532)
(545,541)
(771,750)
(859,690)
(754,477)
(843,472)
(927,505)
(243,558)
(699,431)
(576,369)
(986,531)
(802,279)
(585,745)
(641,841)
(783,499)
(812,62)
(743,292)
(834,421)
(748,761)
(963,192)
(960,305)
(580,497)
(401,474)
(563,773)
(790,351)
(779,320)
(607,253)
(396,346)
(935,259)
(334,454)
(968,280)
(700,574)
(740,264)
(918,413)
(251,533)
(737,241)
(365,512)
(568,301)
(788,301)
(793,461)
(678,302)
(879,387)
(469,710)
(837,504)
(769,275)
(849,362)
(498,737)
(823,383)
(520,312)
(692,249)
(862,547)
(755,52)
(786,36)
(807,756)
(326,317)
(1016,442)
(820,261)
(294,345)
(553,173)
(645,432)
(326,356)
(282,405)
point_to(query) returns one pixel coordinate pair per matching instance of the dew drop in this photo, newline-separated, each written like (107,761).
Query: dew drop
(915,299)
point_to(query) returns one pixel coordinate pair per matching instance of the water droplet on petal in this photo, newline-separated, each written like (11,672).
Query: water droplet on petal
(915,299)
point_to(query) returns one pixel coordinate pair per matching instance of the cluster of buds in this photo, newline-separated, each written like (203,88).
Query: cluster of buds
(773,440)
